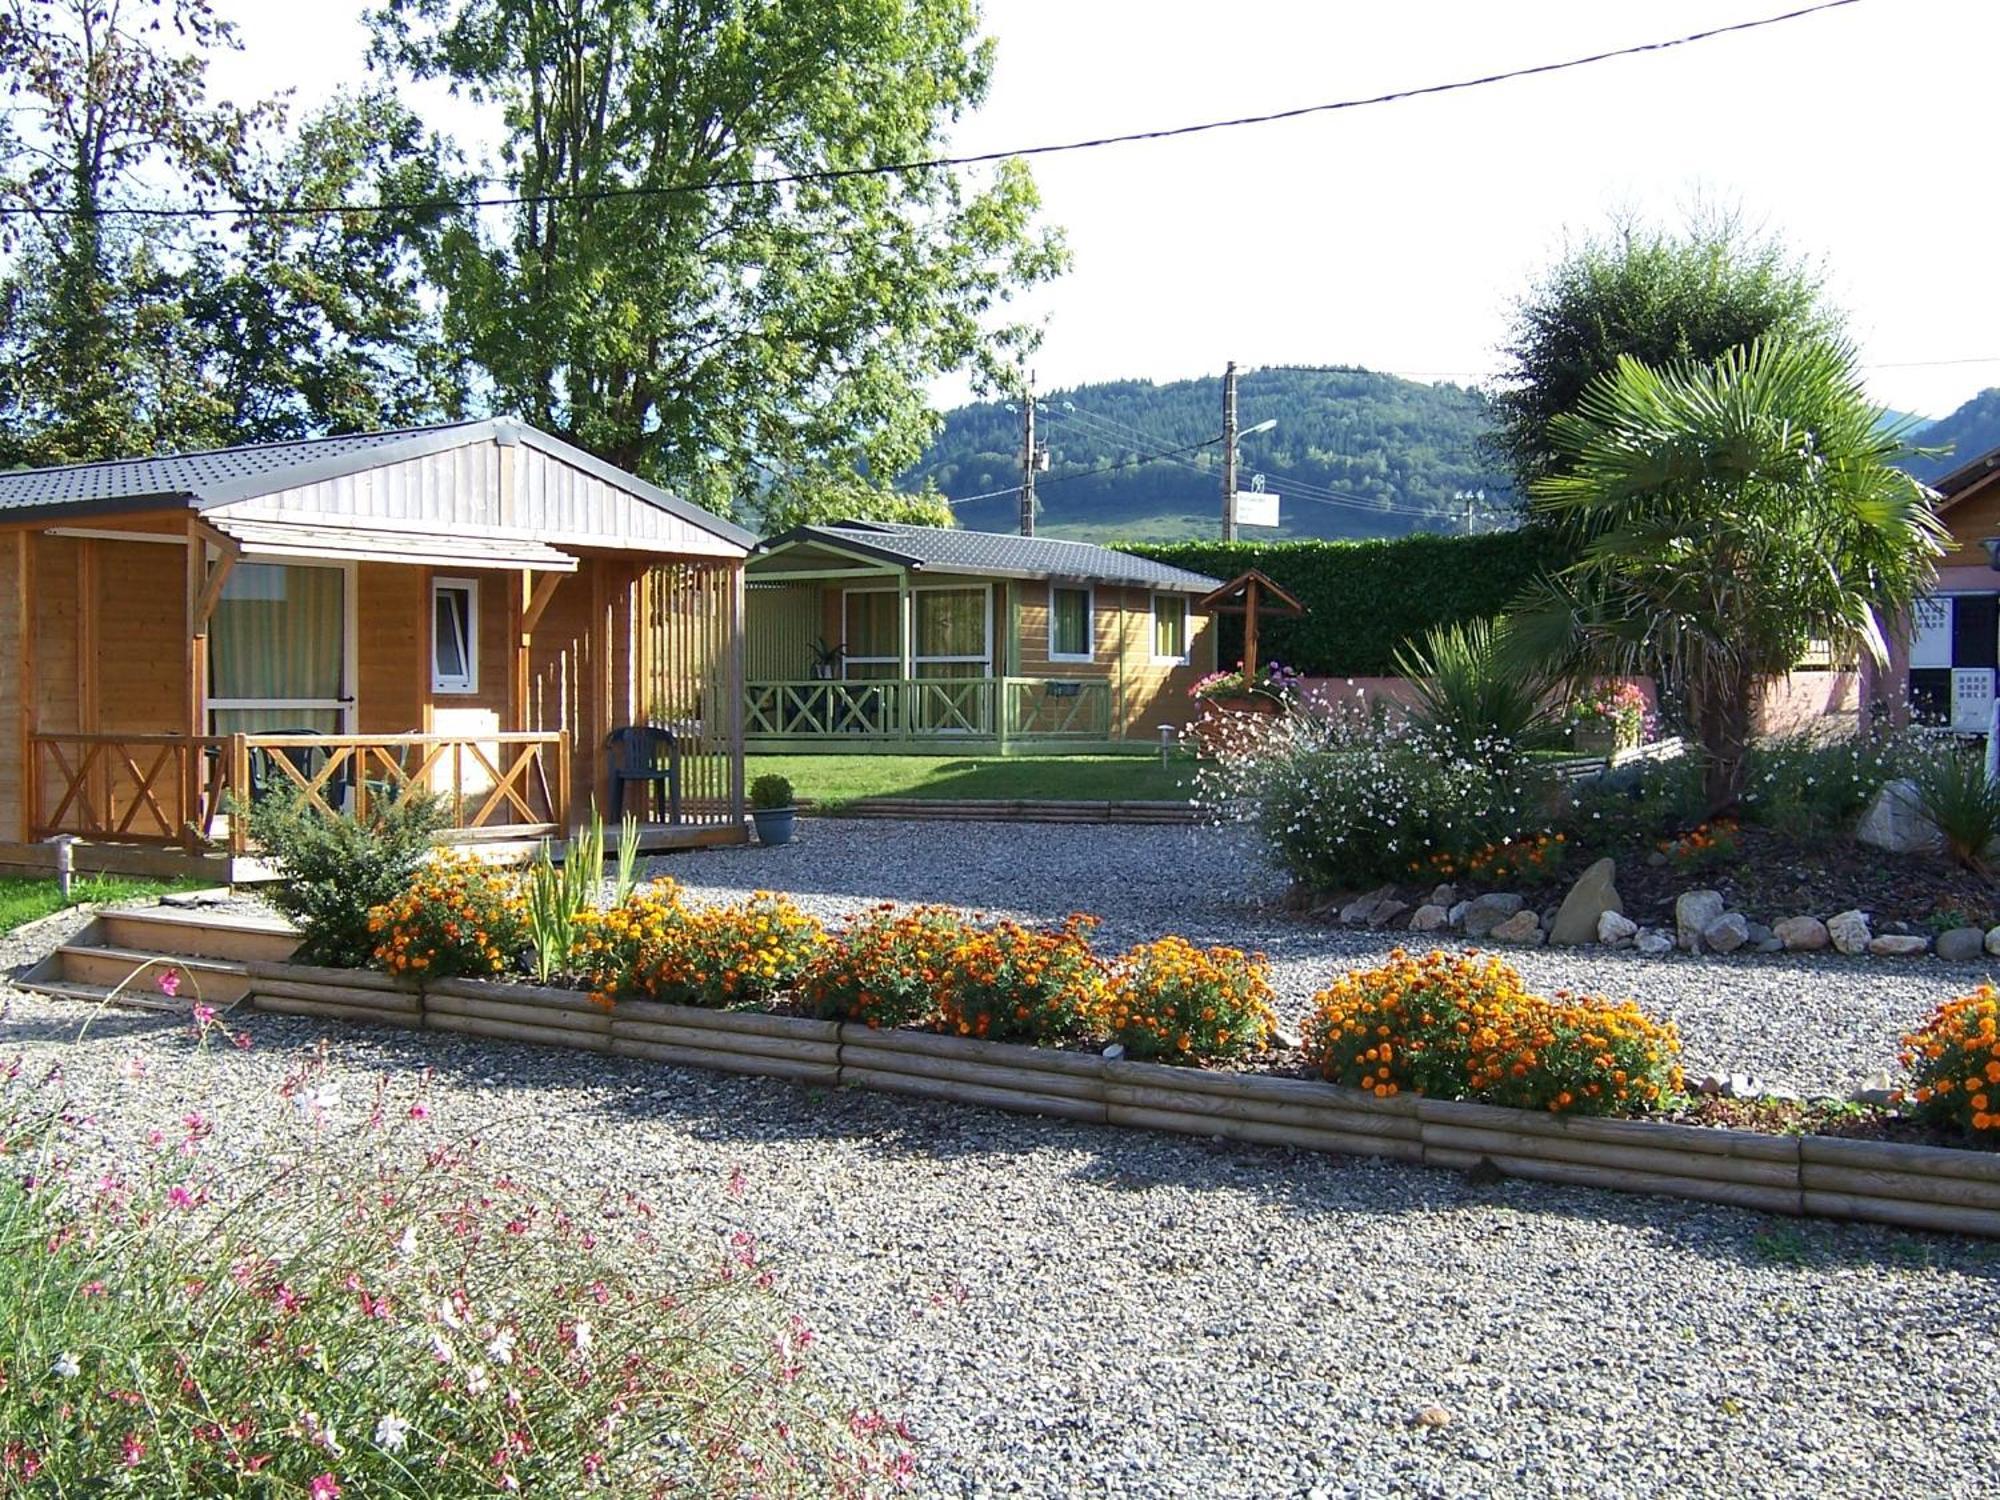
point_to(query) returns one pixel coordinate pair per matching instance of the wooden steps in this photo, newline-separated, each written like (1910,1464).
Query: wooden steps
(133,947)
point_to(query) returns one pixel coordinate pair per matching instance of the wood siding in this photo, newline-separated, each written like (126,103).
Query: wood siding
(392,645)
(14,604)
(1975,517)
(1145,694)
(493,489)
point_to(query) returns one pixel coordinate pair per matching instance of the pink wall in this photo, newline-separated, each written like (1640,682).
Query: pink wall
(1790,704)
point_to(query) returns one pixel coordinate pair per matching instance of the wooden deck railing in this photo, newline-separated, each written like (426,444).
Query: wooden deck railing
(180,789)
(1000,708)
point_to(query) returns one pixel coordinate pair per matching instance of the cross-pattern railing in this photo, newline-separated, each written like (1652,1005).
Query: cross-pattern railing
(126,788)
(917,708)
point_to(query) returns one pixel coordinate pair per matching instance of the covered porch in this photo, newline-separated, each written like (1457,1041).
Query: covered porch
(173,666)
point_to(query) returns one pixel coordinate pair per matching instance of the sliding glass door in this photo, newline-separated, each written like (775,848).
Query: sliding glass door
(278,650)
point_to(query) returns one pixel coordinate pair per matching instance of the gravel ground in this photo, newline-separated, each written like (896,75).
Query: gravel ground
(1819,1025)
(1062,1310)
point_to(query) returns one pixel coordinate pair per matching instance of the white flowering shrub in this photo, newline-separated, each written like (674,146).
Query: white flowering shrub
(1347,797)
(1817,782)
(349,1303)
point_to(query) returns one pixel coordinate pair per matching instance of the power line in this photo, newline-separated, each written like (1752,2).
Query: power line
(1049,484)
(925,164)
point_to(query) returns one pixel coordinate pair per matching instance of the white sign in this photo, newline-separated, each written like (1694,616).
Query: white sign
(1971,699)
(1256,508)
(1930,632)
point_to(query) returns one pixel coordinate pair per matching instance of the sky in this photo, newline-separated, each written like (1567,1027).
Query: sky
(1398,237)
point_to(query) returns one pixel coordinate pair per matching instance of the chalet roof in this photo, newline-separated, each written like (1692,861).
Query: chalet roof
(992,554)
(221,476)
(1967,476)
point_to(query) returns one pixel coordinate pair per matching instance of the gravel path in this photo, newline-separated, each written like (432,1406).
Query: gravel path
(1820,1025)
(1070,1311)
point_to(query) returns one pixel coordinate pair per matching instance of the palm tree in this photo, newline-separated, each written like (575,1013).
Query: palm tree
(1724,515)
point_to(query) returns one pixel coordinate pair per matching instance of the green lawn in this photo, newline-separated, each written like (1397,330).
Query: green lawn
(23,898)
(833,779)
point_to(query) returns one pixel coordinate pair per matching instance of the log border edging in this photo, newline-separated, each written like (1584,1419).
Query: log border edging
(1912,1187)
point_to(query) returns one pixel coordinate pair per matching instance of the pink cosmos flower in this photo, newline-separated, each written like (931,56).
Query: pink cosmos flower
(170,985)
(324,1487)
(133,1449)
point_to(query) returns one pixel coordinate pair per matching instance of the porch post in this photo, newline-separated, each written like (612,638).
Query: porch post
(905,693)
(192,780)
(24,679)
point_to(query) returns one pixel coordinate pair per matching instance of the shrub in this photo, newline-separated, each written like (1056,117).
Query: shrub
(1472,695)
(1619,707)
(377,1312)
(459,918)
(1023,984)
(334,871)
(1954,1063)
(1169,999)
(770,792)
(1343,802)
(1465,1027)
(1634,803)
(1813,783)
(886,968)
(1953,792)
(557,895)
(611,945)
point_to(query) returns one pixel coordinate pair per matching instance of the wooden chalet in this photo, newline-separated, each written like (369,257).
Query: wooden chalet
(478,609)
(882,636)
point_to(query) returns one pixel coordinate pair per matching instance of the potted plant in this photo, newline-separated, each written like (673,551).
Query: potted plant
(772,809)
(826,659)
(1610,716)
(1222,694)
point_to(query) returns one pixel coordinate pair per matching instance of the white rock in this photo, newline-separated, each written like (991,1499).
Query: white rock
(1523,928)
(1489,911)
(1615,927)
(1727,932)
(1694,910)
(1654,943)
(1895,821)
(1993,941)
(1849,932)
(1429,918)
(1899,945)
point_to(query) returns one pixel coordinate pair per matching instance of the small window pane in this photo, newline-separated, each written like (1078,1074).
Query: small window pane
(451,638)
(1070,623)
(1169,625)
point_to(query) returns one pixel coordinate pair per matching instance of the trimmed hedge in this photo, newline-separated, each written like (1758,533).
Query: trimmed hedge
(1363,599)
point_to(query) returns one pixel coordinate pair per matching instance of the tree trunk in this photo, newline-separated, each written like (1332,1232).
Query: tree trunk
(1723,718)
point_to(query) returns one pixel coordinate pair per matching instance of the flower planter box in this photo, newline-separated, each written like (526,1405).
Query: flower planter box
(1915,1187)
(1220,719)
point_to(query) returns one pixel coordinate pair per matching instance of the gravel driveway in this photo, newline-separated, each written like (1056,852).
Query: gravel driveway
(1820,1025)
(1062,1310)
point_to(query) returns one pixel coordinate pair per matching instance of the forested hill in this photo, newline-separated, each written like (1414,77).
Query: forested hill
(1972,430)
(1354,454)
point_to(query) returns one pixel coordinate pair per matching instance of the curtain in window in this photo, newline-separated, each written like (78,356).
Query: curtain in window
(1071,622)
(278,632)
(951,622)
(1169,625)
(872,622)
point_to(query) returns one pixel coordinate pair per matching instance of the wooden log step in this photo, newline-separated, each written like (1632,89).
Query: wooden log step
(1017,1101)
(1918,1187)
(1646,1133)
(332,1010)
(1321,1117)
(1761,1197)
(214,981)
(797,1069)
(1945,1217)
(200,934)
(750,1043)
(1894,1156)
(350,979)
(549,1016)
(746,1022)
(516,1031)
(1267,1132)
(1664,1158)
(399,1002)
(959,1070)
(969,1049)
(538,996)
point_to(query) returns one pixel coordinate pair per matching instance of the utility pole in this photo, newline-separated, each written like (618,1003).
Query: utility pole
(1229,453)
(1029,458)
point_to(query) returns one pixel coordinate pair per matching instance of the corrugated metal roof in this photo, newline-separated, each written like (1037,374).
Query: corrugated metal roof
(996,554)
(189,476)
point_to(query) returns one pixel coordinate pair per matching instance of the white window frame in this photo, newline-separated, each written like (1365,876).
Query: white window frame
(350,644)
(1089,592)
(454,686)
(1153,630)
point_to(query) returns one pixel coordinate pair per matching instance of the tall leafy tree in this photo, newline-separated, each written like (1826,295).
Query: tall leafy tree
(1651,295)
(105,93)
(747,345)
(1727,513)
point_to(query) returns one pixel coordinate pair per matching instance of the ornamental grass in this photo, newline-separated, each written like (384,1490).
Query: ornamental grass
(336,1300)
(886,968)
(1011,983)
(1178,1003)
(1954,1064)
(1466,1027)
(459,918)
